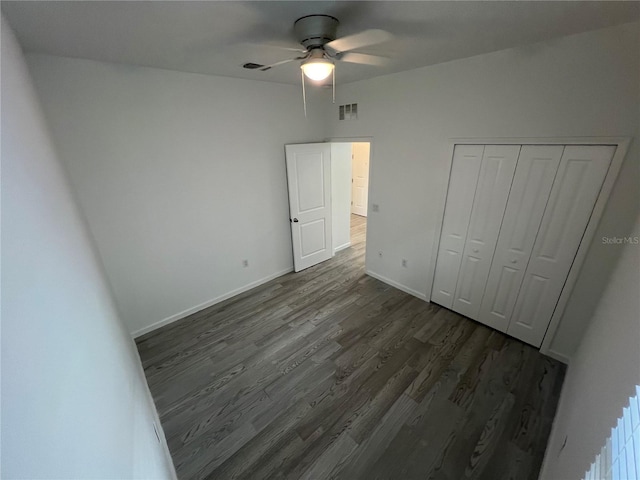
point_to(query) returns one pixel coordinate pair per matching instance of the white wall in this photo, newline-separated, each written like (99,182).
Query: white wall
(603,373)
(341,195)
(181,177)
(74,399)
(581,85)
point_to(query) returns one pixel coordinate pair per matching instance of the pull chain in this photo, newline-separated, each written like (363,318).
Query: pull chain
(334,85)
(304,95)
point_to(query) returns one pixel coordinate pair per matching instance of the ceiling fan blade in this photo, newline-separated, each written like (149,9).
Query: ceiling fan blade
(272,46)
(268,67)
(364,59)
(359,40)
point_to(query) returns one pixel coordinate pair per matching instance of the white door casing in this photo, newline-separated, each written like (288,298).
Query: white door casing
(360,178)
(494,182)
(462,185)
(535,172)
(309,182)
(573,195)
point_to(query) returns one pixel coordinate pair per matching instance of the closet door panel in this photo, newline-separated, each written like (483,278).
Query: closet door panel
(536,170)
(462,186)
(573,195)
(492,191)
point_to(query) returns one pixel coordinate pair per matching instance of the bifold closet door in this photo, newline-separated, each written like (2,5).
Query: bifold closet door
(492,191)
(573,195)
(536,170)
(462,186)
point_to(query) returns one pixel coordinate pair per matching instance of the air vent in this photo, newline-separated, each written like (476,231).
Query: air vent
(348,111)
(252,66)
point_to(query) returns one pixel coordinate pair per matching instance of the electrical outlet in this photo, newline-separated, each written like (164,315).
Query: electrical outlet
(404,262)
(245,263)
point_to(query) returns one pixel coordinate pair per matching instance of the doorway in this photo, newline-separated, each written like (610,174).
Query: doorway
(349,193)
(328,197)
(360,178)
(360,154)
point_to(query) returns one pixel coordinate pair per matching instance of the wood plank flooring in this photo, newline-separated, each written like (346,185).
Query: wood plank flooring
(329,373)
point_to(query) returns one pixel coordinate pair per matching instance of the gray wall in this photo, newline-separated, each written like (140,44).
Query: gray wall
(181,177)
(603,372)
(75,403)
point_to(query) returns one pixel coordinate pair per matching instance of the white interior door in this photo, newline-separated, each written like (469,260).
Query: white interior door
(536,170)
(573,195)
(360,178)
(465,167)
(309,181)
(492,191)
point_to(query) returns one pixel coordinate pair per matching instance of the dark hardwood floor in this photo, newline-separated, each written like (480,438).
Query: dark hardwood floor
(329,373)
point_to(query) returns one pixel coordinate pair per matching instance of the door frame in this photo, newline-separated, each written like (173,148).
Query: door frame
(622,146)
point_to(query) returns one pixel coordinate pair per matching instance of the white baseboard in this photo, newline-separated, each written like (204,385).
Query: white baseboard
(209,303)
(341,247)
(556,356)
(148,398)
(555,426)
(397,285)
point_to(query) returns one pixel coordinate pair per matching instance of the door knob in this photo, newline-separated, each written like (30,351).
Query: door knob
(514,261)
(295,220)
(475,250)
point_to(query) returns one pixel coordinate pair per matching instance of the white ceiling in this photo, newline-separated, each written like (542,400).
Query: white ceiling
(217,37)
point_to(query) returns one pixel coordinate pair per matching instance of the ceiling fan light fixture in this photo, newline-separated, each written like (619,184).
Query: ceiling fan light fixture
(317,68)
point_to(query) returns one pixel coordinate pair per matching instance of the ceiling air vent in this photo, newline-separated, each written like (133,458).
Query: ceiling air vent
(252,66)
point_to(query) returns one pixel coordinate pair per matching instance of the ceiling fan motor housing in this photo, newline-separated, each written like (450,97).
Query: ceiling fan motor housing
(313,31)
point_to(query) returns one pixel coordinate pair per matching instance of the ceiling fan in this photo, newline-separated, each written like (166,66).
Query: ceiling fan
(317,34)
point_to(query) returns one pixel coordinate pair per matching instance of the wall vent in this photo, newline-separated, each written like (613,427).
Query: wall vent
(348,111)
